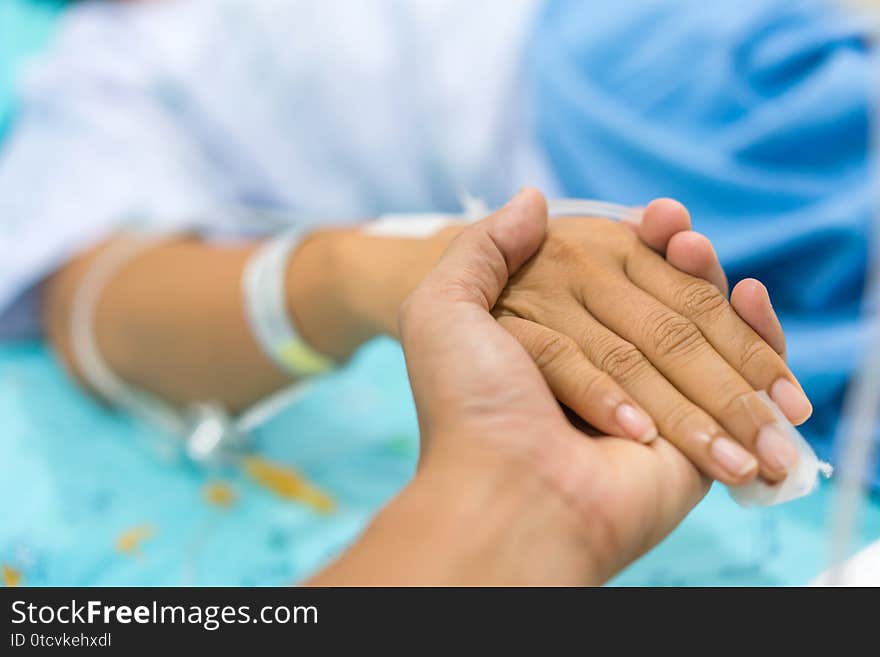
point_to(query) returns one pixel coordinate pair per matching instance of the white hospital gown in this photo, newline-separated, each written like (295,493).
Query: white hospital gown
(203,113)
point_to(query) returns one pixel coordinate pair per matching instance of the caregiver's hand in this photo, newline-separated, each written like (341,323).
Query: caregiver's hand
(507,491)
(614,329)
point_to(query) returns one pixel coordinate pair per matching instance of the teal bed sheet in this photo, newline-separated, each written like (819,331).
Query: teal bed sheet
(75,477)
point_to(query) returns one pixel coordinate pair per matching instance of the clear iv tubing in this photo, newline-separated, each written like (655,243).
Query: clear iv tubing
(859,419)
(591,208)
(154,411)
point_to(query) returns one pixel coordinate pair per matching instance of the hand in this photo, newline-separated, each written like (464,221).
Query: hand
(371,293)
(622,337)
(481,400)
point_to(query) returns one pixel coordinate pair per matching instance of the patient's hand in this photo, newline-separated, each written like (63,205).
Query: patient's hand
(615,329)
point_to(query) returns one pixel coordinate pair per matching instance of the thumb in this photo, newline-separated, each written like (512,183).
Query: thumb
(454,348)
(478,263)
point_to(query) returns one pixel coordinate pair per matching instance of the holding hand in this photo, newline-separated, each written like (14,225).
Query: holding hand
(507,491)
(622,337)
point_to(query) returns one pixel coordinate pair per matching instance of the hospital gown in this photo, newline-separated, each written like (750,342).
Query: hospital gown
(214,114)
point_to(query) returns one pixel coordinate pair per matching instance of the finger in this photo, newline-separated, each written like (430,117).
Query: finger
(758,362)
(751,301)
(451,342)
(678,420)
(580,385)
(661,219)
(693,253)
(678,349)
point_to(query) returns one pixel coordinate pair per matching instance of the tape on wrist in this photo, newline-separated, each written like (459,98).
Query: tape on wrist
(265,301)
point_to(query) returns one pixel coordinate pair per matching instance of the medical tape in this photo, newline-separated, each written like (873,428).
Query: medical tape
(265,301)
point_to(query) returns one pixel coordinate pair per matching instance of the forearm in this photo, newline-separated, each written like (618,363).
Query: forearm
(172,320)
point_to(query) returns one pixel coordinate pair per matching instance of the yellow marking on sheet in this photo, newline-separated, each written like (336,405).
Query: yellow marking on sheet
(287,483)
(129,541)
(11,576)
(219,493)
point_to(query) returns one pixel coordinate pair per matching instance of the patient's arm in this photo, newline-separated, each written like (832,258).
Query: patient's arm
(172,320)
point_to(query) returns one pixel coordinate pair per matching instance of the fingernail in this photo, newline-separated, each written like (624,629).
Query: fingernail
(775,448)
(732,457)
(791,400)
(635,423)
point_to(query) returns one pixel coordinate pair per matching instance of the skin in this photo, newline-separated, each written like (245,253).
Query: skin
(172,322)
(613,327)
(507,491)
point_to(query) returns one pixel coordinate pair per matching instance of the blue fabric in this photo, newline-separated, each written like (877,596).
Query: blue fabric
(754,113)
(76,478)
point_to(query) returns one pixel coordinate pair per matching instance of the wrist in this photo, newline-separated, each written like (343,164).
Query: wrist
(510,523)
(380,272)
(472,522)
(318,298)
(345,287)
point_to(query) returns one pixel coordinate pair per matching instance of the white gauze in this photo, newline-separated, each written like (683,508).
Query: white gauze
(801,480)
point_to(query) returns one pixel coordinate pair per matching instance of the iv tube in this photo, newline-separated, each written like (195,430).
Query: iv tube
(860,415)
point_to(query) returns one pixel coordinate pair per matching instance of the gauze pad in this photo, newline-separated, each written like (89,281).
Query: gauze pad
(801,481)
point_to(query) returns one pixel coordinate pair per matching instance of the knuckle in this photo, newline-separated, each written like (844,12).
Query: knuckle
(475,283)
(531,302)
(733,399)
(671,334)
(622,361)
(700,300)
(677,419)
(493,262)
(752,355)
(550,349)
(594,385)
